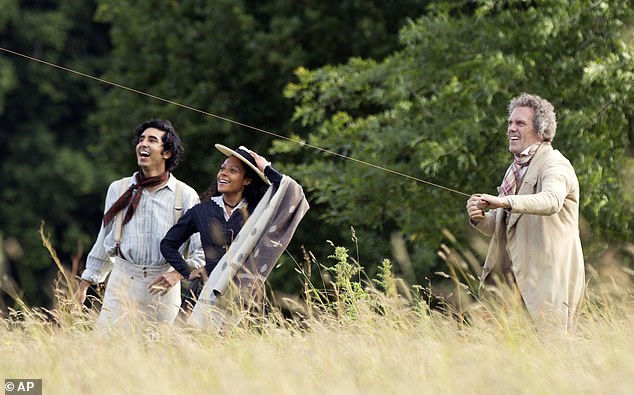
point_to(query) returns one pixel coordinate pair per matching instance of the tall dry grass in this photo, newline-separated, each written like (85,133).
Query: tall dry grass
(352,337)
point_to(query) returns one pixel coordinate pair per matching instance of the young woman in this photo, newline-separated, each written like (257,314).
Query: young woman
(240,183)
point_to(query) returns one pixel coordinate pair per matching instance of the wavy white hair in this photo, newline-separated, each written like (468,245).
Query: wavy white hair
(544,120)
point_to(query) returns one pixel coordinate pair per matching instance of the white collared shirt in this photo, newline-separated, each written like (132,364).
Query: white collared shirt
(221,202)
(142,235)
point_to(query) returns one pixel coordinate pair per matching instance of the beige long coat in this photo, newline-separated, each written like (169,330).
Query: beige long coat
(540,241)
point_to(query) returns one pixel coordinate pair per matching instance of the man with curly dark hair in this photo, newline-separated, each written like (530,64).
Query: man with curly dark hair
(139,210)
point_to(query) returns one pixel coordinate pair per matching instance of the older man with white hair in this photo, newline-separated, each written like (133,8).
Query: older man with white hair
(534,221)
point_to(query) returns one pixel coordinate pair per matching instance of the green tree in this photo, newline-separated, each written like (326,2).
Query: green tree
(436,110)
(46,170)
(231,58)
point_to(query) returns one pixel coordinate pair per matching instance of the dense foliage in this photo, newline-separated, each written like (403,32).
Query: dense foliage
(437,110)
(65,137)
(429,103)
(46,172)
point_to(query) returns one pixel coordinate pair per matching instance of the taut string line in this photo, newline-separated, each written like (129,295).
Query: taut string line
(234,122)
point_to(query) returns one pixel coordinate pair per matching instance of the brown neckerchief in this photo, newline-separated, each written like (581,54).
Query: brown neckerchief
(132,196)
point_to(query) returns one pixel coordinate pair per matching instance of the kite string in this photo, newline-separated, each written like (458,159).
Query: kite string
(303,143)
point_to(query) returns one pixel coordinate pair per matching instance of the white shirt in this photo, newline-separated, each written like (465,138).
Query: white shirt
(225,209)
(141,237)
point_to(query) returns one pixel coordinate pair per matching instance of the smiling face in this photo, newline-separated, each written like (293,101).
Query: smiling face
(232,177)
(521,130)
(149,152)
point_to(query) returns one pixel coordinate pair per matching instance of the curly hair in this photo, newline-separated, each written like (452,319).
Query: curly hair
(171,141)
(544,120)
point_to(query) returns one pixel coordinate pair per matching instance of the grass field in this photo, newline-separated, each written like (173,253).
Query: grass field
(358,342)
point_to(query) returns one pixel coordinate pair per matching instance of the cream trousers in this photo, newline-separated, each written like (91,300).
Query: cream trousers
(128,304)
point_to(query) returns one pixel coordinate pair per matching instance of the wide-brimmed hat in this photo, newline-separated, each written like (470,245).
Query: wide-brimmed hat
(243,154)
